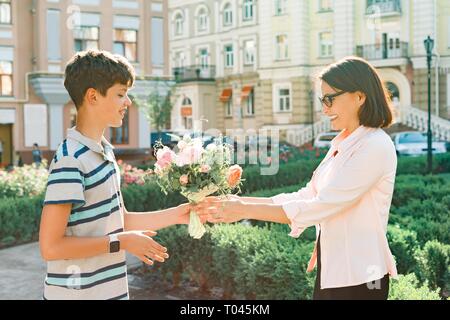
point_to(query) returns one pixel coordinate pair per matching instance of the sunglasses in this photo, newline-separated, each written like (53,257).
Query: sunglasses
(328,98)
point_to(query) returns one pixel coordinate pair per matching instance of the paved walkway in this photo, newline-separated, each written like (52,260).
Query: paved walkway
(22,272)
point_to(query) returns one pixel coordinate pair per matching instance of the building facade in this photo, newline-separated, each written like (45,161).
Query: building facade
(263,56)
(37,38)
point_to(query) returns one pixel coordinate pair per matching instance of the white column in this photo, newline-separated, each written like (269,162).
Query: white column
(56,119)
(144,130)
(423,24)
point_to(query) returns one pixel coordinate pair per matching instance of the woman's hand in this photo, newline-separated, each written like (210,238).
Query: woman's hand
(140,244)
(218,210)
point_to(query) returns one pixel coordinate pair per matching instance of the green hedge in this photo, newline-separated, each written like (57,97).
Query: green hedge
(246,261)
(19,219)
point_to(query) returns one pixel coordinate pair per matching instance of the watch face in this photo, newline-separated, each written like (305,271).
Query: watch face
(114,246)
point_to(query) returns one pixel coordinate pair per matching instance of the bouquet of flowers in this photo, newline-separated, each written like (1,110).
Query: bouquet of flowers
(196,173)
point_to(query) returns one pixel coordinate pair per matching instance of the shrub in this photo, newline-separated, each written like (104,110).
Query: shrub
(407,287)
(19,219)
(26,181)
(403,244)
(434,265)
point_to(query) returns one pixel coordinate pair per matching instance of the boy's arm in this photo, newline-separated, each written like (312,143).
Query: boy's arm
(55,245)
(155,220)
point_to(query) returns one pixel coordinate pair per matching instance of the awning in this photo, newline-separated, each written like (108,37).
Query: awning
(186,111)
(226,95)
(246,90)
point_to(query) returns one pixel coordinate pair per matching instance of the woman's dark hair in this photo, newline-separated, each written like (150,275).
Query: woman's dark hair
(96,69)
(353,74)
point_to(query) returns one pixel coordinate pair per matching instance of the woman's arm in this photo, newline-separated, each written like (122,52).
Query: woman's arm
(235,210)
(348,185)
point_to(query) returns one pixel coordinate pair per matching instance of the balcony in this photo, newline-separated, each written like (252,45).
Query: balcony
(388,50)
(383,7)
(194,73)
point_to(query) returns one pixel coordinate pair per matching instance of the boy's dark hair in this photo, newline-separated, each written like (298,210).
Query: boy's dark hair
(353,74)
(96,69)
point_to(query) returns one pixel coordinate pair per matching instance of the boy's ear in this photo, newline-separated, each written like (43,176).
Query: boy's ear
(91,96)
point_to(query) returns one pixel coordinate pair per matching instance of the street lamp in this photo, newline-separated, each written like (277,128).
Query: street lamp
(429,44)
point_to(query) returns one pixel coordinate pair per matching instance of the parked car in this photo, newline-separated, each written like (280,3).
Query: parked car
(414,143)
(323,140)
(165,138)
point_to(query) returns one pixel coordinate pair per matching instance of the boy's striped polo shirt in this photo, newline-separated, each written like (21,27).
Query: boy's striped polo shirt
(85,174)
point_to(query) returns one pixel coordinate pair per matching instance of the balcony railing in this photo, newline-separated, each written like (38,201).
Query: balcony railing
(389,50)
(194,73)
(383,7)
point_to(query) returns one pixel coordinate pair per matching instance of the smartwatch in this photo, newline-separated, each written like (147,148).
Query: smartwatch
(114,243)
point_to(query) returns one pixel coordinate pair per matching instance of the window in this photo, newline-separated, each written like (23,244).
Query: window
(326,44)
(53,35)
(204,58)
(227,15)
(250,104)
(383,6)
(180,59)
(448,89)
(249,52)
(158,41)
(280,7)
(85,38)
(6,77)
(325,5)
(282,47)
(120,135)
(229,56)
(186,113)
(202,20)
(5,11)
(248,10)
(284,99)
(448,33)
(125,43)
(179,24)
(229,107)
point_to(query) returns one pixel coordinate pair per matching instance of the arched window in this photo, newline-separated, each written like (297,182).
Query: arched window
(202,20)
(179,24)
(186,113)
(393,91)
(248,10)
(227,15)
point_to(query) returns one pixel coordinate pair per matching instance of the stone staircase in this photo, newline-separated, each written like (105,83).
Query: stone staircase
(408,118)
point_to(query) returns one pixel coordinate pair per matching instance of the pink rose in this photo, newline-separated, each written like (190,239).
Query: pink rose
(234,175)
(204,168)
(184,179)
(189,155)
(164,157)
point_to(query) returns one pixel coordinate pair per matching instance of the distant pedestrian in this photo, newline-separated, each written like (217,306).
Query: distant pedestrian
(37,156)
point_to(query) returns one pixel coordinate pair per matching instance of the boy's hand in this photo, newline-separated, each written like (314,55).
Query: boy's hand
(184,211)
(140,244)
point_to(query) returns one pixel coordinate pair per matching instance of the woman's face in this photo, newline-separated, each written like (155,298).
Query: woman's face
(342,109)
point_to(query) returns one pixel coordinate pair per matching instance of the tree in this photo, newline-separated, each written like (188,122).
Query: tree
(157,107)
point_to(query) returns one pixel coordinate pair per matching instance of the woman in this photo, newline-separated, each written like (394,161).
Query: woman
(349,195)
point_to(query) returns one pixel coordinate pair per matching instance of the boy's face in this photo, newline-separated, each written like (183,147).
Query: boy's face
(113,106)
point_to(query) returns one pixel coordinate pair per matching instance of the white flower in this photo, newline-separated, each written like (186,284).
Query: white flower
(181,144)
